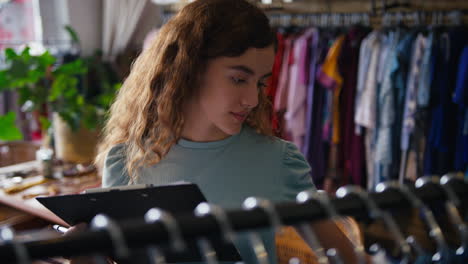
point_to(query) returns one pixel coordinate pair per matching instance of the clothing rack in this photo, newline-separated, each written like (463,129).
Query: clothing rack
(137,233)
(452,17)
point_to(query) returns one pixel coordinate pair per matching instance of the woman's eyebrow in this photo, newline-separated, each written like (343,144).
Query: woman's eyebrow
(247,70)
(242,68)
(267,75)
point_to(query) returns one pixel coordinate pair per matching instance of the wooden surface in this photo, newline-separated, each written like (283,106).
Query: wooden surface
(17,152)
(18,205)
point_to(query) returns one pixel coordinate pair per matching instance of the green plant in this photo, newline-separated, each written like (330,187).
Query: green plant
(80,91)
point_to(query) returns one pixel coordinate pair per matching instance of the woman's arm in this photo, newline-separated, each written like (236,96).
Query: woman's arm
(331,236)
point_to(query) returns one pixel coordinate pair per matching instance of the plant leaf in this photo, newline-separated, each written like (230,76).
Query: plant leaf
(75,67)
(73,34)
(9,130)
(46,59)
(45,123)
(10,54)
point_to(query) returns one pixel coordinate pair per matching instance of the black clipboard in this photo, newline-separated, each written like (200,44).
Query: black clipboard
(122,204)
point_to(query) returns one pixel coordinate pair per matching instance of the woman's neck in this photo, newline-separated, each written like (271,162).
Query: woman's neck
(198,128)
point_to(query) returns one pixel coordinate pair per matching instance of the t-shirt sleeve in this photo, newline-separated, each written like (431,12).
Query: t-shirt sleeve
(296,173)
(114,172)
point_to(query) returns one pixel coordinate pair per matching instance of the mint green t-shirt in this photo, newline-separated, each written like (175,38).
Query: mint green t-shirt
(227,172)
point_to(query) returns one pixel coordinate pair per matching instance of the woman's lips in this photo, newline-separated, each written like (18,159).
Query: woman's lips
(240,116)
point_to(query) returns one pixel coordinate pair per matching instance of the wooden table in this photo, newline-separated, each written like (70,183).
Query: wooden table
(20,210)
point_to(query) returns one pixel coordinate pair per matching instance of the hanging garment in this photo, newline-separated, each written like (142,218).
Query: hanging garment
(281,97)
(330,77)
(274,81)
(352,144)
(317,157)
(410,109)
(366,96)
(460,98)
(385,111)
(313,58)
(440,148)
(295,116)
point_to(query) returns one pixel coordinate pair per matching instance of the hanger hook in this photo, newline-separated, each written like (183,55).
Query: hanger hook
(309,235)
(7,234)
(207,250)
(252,203)
(206,209)
(103,222)
(324,201)
(451,207)
(416,202)
(154,215)
(342,192)
(377,213)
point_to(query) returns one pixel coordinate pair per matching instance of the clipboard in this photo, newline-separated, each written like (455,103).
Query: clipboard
(132,202)
(122,202)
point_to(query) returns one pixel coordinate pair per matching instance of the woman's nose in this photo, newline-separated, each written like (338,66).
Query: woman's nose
(250,97)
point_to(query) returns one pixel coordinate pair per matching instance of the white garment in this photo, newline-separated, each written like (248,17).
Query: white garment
(365,115)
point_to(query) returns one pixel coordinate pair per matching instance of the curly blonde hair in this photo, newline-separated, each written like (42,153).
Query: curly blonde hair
(147,114)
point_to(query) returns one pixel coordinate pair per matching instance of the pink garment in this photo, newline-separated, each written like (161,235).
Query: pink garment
(295,117)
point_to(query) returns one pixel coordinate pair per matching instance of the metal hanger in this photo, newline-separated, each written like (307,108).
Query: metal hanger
(207,250)
(309,235)
(7,235)
(103,222)
(252,203)
(376,213)
(358,249)
(451,207)
(205,209)
(268,207)
(435,231)
(333,215)
(157,215)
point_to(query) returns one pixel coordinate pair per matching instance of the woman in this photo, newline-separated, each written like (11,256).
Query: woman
(194,108)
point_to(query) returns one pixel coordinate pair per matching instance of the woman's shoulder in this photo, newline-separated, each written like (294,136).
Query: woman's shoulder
(114,172)
(289,163)
(286,151)
(254,140)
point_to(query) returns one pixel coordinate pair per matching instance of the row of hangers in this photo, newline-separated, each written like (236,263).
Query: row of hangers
(387,19)
(408,246)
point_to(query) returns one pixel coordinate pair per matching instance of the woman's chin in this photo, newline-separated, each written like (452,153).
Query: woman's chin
(232,129)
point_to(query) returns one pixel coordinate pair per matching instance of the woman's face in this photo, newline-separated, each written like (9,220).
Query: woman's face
(229,91)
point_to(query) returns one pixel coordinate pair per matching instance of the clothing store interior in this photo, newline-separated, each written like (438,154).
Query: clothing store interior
(269,131)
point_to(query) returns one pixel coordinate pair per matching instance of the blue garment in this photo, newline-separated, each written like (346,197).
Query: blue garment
(440,149)
(227,172)
(385,110)
(399,78)
(425,77)
(460,98)
(307,149)
(410,105)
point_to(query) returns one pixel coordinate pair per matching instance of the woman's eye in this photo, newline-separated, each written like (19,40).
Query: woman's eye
(237,80)
(262,85)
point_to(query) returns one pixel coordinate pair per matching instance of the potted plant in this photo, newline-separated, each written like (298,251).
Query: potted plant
(72,96)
